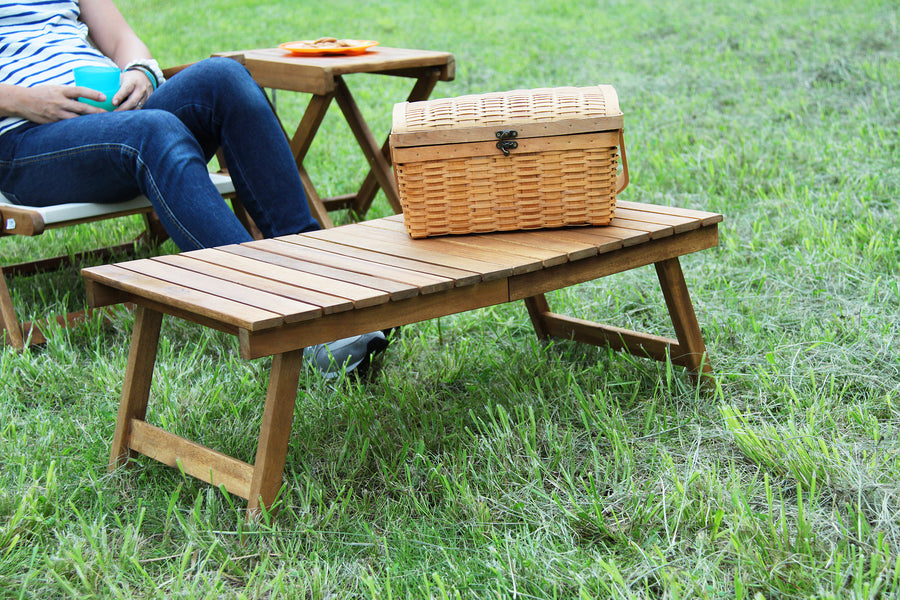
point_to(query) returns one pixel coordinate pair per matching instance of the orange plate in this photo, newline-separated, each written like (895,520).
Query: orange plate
(302,48)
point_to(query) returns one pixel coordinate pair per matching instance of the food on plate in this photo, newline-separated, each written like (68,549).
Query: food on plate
(327,42)
(328,45)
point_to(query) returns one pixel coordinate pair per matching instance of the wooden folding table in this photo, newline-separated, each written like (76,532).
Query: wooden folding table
(281,295)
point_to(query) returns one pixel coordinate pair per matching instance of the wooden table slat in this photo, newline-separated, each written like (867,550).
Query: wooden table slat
(219,256)
(603,235)
(516,264)
(570,249)
(424,282)
(655,230)
(427,283)
(361,296)
(679,224)
(580,238)
(706,218)
(458,276)
(270,286)
(315,262)
(372,238)
(289,309)
(207,305)
(490,242)
(604,238)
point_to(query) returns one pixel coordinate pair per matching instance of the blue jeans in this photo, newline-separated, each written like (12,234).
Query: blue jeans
(162,151)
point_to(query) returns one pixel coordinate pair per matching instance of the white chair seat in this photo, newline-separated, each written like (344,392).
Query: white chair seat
(85,211)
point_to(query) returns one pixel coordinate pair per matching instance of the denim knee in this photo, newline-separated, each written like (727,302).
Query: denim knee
(223,78)
(160,136)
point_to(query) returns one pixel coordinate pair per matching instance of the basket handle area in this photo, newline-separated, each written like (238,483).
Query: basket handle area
(622,179)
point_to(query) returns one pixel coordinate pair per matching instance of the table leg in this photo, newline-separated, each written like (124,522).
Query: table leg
(274,435)
(309,125)
(687,350)
(316,203)
(379,165)
(300,144)
(538,307)
(681,310)
(138,376)
(422,89)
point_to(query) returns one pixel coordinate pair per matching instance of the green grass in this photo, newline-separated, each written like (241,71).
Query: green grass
(477,463)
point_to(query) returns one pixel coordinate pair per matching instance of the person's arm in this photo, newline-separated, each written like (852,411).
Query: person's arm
(114,37)
(111,33)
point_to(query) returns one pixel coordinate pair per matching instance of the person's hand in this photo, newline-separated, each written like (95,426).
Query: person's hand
(51,103)
(134,89)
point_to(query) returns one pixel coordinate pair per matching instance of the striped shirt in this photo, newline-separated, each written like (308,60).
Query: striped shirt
(41,42)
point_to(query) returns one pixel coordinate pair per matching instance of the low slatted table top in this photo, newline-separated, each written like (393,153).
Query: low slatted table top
(273,284)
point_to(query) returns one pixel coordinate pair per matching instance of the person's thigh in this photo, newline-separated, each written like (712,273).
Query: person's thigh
(91,158)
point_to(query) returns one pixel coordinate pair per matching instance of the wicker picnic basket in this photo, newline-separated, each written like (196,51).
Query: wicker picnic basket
(524,159)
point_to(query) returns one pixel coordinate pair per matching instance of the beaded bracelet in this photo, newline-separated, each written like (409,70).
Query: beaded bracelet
(146,72)
(150,68)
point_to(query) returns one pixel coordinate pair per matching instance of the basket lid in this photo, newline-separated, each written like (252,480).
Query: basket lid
(532,113)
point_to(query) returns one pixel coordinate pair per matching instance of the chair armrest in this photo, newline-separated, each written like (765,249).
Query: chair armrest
(20,221)
(170,71)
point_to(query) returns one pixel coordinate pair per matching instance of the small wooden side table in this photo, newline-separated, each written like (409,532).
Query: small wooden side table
(323,77)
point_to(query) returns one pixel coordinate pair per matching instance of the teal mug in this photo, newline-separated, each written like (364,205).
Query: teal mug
(102,79)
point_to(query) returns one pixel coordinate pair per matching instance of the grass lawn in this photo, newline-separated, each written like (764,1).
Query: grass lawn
(477,463)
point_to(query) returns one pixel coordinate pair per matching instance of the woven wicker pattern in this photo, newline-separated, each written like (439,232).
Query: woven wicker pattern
(498,193)
(505,108)
(553,175)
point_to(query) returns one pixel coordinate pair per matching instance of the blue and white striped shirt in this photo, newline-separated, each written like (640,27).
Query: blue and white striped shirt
(41,42)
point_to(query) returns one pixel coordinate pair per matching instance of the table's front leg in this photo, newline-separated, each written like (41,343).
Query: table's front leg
(274,434)
(538,309)
(138,376)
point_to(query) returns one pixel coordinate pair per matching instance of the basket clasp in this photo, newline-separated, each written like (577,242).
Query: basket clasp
(506,142)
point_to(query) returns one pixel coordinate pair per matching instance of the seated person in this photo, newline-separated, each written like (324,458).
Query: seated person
(157,142)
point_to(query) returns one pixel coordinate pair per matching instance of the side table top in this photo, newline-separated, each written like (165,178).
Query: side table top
(277,68)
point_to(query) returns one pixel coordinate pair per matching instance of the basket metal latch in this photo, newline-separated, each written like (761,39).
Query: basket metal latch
(507,142)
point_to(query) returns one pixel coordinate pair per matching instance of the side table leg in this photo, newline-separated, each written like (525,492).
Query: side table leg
(422,89)
(309,125)
(681,310)
(138,376)
(316,205)
(300,145)
(379,165)
(274,435)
